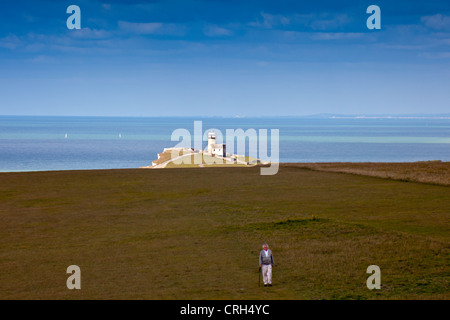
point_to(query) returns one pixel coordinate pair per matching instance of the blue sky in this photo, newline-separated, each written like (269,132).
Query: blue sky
(224,58)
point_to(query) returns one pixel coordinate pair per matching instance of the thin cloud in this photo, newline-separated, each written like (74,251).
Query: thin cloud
(317,21)
(141,28)
(11,42)
(437,21)
(269,21)
(43,59)
(436,55)
(216,31)
(328,21)
(337,35)
(156,28)
(87,33)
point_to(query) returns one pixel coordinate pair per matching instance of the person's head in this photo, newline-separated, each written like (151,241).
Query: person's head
(265,246)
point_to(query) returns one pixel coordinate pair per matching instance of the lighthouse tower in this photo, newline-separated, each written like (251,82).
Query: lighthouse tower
(214,149)
(211,141)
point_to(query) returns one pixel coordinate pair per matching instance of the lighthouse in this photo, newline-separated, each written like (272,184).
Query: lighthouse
(215,149)
(211,141)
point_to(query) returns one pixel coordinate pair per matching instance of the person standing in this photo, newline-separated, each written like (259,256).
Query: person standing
(265,263)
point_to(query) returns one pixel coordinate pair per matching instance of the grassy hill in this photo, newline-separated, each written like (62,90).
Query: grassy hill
(436,172)
(195,233)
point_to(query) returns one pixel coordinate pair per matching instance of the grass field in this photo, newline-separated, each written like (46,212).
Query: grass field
(195,233)
(436,172)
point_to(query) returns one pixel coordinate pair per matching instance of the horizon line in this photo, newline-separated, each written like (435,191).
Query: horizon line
(318,115)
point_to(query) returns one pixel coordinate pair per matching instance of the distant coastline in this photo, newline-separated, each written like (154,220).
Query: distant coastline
(307,116)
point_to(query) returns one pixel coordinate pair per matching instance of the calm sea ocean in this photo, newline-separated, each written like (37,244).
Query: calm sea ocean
(67,143)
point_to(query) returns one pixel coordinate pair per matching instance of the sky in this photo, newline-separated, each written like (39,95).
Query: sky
(224,58)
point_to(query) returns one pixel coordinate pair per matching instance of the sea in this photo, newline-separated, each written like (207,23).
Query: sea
(42,143)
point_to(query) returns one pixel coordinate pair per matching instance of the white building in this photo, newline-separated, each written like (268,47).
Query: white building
(215,149)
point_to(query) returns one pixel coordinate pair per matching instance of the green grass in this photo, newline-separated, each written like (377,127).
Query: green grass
(196,234)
